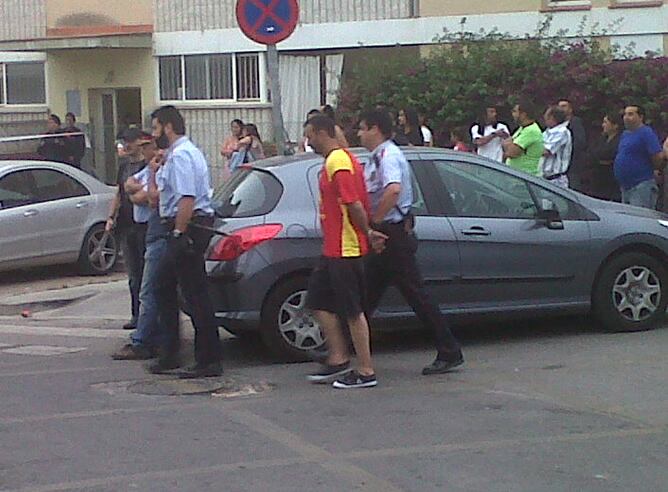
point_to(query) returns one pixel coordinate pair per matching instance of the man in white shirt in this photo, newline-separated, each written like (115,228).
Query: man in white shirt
(489,134)
(558,145)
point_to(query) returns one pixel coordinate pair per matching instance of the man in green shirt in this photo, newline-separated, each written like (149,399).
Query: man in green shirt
(525,148)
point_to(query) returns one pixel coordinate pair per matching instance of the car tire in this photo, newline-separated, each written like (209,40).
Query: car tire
(631,293)
(98,262)
(287,329)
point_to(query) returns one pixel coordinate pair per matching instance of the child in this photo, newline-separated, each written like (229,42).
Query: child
(458,138)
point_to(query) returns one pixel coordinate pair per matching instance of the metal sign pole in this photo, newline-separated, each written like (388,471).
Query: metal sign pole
(277,109)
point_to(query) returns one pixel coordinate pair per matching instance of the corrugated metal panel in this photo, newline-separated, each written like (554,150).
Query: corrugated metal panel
(22,19)
(209,127)
(15,124)
(194,15)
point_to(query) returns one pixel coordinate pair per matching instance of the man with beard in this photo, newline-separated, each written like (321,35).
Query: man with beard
(185,209)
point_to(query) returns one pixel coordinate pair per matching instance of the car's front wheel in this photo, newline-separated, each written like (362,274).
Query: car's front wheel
(631,293)
(289,330)
(99,252)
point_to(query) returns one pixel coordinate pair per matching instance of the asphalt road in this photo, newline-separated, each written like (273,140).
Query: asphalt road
(540,406)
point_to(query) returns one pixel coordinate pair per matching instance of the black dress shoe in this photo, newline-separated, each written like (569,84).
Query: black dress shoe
(441,366)
(196,371)
(130,325)
(163,365)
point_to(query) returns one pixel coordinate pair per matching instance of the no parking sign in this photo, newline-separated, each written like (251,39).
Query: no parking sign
(268,21)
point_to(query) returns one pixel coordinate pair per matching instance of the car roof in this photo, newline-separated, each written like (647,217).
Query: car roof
(95,185)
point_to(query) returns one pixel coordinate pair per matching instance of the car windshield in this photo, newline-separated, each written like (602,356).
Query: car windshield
(248,193)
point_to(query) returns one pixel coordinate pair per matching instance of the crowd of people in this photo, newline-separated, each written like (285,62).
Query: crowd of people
(624,163)
(164,216)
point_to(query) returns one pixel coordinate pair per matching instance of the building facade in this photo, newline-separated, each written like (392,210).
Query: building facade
(112,63)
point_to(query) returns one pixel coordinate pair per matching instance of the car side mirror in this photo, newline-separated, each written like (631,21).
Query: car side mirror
(549,215)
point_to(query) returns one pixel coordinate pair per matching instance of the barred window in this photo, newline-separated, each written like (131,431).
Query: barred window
(217,77)
(22,83)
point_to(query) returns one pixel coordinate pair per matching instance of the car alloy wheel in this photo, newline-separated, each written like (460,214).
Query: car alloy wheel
(636,293)
(101,250)
(297,325)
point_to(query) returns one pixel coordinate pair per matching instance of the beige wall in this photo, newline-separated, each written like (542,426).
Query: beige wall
(99,69)
(84,13)
(431,8)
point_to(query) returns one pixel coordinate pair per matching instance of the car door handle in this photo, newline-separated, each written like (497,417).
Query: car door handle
(476,231)
(82,204)
(30,213)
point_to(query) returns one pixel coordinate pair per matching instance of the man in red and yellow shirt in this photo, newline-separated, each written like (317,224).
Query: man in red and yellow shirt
(337,290)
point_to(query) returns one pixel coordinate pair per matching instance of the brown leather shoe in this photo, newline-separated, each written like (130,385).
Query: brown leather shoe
(133,352)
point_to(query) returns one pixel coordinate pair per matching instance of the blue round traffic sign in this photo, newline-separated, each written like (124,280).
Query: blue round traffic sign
(267,21)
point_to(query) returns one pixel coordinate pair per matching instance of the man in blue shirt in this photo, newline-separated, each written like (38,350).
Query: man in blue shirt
(185,208)
(638,155)
(389,185)
(146,339)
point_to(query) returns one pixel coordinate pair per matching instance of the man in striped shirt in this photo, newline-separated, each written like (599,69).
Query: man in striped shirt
(336,291)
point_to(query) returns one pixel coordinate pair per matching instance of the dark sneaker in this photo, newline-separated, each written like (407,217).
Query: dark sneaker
(133,352)
(164,365)
(328,373)
(130,325)
(441,366)
(196,371)
(355,380)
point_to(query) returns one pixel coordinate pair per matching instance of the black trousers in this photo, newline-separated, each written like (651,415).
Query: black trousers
(184,268)
(397,265)
(133,245)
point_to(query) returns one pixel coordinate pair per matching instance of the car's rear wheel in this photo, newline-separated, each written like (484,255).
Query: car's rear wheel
(288,329)
(631,293)
(99,252)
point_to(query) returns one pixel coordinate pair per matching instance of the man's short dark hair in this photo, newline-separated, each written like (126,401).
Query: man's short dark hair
(55,118)
(169,114)
(380,119)
(132,135)
(527,106)
(641,110)
(71,115)
(320,122)
(557,113)
(615,117)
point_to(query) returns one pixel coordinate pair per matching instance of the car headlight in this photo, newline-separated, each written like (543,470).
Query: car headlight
(664,223)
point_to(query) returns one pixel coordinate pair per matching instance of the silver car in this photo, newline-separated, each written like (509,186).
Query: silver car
(493,241)
(52,213)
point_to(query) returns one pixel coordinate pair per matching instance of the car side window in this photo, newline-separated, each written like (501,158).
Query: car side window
(479,191)
(17,190)
(568,210)
(419,206)
(54,185)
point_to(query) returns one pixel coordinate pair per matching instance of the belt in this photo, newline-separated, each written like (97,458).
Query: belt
(197,219)
(555,176)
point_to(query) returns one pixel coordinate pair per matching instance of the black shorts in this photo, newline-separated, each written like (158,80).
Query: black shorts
(338,286)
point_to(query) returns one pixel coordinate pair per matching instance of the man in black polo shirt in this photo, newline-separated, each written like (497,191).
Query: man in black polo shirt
(120,218)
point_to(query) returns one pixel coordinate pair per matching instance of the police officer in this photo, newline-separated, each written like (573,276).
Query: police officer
(389,185)
(185,208)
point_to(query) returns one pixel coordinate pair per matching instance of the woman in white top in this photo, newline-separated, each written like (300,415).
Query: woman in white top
(489,134)
(427,134)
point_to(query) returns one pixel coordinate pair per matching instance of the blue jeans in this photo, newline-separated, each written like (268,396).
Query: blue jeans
(642,195)
(148,333)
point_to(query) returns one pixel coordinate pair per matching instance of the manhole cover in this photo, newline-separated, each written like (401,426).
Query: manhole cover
(219,387)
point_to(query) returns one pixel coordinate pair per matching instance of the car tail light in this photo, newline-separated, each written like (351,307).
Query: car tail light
(239,242)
